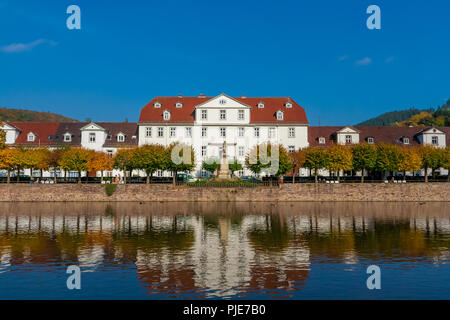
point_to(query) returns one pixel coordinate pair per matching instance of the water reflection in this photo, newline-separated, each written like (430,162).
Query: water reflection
(208,250)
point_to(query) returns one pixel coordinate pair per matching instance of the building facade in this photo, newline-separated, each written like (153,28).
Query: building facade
(207,122)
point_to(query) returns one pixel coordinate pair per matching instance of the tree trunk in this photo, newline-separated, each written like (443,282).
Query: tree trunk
(18,173)
(426,174)
(8,177)
(293,176)
(392,173)
(101,176)
(151,176)
(433,174)
(65,175)
(54,175)
(125,174)
(79,177)
(42,173)
(148,178)
(362,175)
(404,175)
(315,175)
(87,177)
(174,179)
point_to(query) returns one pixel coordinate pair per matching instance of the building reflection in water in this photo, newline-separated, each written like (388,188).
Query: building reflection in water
(220,249)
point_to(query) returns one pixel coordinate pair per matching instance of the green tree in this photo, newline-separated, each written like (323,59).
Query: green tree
(123,160)
(179,157)
(211,165)
(364,158)
(149,158)
(315,159)
(432,158)
(235,166)
(388,158)
(262,159)
(75,159)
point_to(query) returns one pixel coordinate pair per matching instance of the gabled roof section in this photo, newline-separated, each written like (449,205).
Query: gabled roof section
(348,127)
(92,126)
(43,131)
(186,114)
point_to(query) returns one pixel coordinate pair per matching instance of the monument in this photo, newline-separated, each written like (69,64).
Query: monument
(224,171)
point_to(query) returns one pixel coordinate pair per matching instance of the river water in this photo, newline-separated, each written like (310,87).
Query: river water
(225,250)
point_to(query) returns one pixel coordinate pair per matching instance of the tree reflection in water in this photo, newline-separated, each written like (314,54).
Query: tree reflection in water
(207,250)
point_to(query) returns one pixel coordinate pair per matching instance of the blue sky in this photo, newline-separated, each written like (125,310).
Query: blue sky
(320,53)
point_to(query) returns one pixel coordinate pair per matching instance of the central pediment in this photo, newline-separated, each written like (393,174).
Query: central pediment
(222,101)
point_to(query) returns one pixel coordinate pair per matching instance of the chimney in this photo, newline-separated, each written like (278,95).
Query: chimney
(201,95)
(243,97)
(180,96)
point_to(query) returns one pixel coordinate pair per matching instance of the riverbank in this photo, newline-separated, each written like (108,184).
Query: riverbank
(284,193)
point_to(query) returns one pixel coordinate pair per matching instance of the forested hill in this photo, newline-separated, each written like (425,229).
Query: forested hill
(413,117)
(7,114)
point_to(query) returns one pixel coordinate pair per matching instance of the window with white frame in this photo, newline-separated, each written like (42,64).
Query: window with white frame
(159,173)
(405,140)
(188,131)
(223,114)
(160,132)
(204,132)
(241,115)
(288,105)
(223,132)
(148,131)
(166,115)
(271,133)
(178,105)
(280,115)
(322,140)
(203,173)
(240,132)
(291,148)
(120,137)
(30,137)
(67,137)
(240,151)
(203,151)
(204,114)
(260,105)
(370,140)
(173,132)
(256,131)
(434,140)
(348,138)
(291,132)
(92,137)
(157,105)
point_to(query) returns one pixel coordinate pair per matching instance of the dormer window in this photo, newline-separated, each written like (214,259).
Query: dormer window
(92,137)
(280,115)
(157,105)
(260,105)
(30,137)
(405,140)
(288,105)
(120,137)
(179,105)
(166,115)
(322,140)
(50,137)
(109,137)
(67,137)
(370,140)
(434,140)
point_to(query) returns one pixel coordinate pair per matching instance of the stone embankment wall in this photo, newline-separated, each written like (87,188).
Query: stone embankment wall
(287,192)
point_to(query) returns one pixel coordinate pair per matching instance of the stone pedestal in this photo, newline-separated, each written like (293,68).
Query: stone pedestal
(224,171)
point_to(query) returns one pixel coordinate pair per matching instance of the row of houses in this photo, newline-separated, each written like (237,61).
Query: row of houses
(207,122)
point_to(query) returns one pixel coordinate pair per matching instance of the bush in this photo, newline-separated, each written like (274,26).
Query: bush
(110,188)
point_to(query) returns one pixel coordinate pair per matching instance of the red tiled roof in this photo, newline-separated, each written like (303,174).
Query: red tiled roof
(379,134)
(186,114)
(42,130)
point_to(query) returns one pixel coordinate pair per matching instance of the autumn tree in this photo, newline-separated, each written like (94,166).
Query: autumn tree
(2,137)
(268,158)
(179,157)
(432,158)
(211,164)
(388,156)
(298,159)
(41,156)
(8,158)
(54,158)
(364,158)
(339,157)
(315,159)
(25,159)
(123,160)
(409,160)
(149,158)
(99,161)
(446,161)
(75,159)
